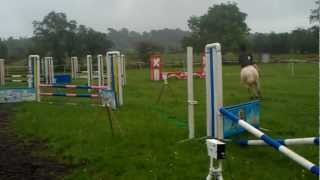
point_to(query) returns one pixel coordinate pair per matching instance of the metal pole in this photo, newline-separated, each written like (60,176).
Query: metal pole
(191,101)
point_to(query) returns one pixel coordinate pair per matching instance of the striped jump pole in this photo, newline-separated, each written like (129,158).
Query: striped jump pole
(17,80)
(287,142)
(2,72)
(73,86)
(70,95)
(275,144)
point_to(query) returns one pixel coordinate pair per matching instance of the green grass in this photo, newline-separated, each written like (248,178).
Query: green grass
(149,147)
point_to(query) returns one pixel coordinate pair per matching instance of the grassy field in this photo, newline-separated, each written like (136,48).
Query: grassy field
(147,137)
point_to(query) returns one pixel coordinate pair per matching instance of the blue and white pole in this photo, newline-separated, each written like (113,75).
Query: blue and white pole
(214,103)
(275,144)
(287,142)
(214,90)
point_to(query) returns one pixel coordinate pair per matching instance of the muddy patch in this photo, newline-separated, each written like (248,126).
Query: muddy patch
(18,160)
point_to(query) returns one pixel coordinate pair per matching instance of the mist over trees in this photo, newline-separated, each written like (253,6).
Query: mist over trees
(169,39)
(55,35)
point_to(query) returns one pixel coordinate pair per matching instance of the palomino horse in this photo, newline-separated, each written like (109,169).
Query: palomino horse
(250,78)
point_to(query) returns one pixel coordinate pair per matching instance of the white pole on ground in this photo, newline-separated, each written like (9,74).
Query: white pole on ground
(287,142)
(191,101)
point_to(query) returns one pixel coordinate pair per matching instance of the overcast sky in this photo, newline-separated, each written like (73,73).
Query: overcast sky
(142,15)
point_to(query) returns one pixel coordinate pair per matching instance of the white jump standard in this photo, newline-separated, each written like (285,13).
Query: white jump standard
(74,67)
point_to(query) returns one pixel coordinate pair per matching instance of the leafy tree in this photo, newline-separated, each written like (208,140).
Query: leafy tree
(146,48)
(223,23)
(89,41)
(55,35)
(315,13)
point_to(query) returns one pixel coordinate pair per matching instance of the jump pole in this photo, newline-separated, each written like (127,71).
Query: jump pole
(100,70)
(114,74)
(74,67)
(123,70)
(214,90)
(35,61)
(287,142)
(46,72)
(51,67)
(108,64)
(214,104)
(273,143)
(30,72)
(190,100)
(49,70)
(214,101)
(2,72)
(89,69)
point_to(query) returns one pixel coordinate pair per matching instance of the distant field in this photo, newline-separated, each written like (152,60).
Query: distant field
(149,146)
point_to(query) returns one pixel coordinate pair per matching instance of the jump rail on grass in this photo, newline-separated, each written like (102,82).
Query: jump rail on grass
(287,142)
(215,112)
(273,143)
(157,74)
(70,95)
(71,86)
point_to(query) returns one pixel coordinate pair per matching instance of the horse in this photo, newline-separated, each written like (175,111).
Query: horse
(250,79)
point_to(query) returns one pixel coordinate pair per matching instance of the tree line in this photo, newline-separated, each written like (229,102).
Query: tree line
(59,37)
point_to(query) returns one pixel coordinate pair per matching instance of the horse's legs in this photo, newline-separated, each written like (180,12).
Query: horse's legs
(258,88)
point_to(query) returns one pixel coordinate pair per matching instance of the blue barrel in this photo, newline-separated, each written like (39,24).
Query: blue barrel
(62,78)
